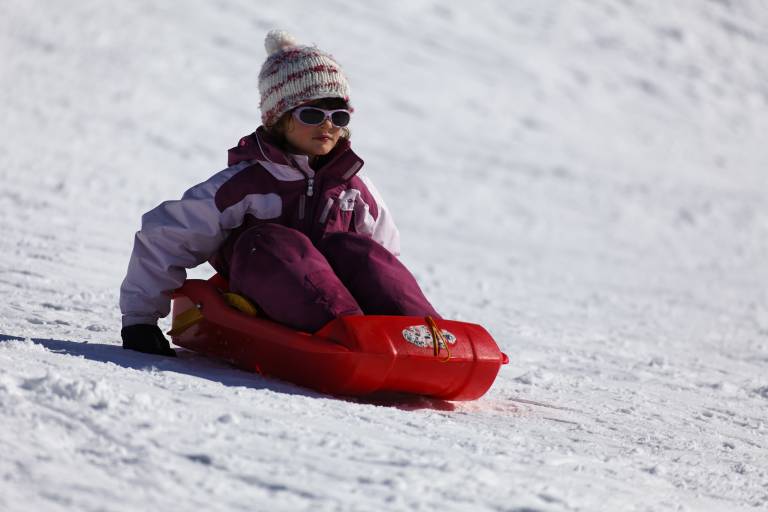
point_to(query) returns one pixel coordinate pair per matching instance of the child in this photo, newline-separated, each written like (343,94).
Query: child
(290,223)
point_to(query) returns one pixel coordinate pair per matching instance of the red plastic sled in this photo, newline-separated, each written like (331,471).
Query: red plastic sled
(354,355)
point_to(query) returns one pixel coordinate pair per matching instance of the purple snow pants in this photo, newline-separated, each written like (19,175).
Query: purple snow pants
(305,286)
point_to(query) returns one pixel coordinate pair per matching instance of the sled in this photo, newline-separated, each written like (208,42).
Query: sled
(352,356)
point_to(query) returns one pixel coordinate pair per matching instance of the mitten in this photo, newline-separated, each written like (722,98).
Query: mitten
(146,338)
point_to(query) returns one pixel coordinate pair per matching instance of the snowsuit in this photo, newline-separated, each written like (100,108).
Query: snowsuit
(306,245)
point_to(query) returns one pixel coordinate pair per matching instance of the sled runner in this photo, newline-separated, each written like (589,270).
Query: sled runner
(353,355)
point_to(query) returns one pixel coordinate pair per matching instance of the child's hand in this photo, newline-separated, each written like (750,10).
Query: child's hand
(146,338)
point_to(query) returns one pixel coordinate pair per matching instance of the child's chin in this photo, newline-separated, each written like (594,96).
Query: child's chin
(322,150)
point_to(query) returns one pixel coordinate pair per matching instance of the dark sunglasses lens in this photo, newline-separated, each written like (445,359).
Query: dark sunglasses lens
(312,116)
(340,118)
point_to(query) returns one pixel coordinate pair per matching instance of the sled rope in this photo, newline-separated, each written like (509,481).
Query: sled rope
(438,339)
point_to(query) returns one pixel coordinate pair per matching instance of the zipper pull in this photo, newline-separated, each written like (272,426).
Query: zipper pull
(310,186)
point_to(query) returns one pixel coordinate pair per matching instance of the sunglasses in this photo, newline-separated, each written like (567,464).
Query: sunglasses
(314,116)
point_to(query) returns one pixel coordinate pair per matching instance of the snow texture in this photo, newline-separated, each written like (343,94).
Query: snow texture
(586,179)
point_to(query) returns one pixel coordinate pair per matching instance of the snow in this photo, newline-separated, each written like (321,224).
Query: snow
(586,179)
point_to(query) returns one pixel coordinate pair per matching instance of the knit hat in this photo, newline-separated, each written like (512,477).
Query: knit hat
(294,74)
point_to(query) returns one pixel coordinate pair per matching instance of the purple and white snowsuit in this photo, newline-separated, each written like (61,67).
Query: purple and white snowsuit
(307,245)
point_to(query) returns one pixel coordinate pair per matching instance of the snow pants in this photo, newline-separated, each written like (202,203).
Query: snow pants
(305,286)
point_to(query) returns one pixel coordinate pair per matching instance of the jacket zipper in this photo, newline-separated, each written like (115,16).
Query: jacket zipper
(303,198)
(307,194)
(302,206)
(305,203)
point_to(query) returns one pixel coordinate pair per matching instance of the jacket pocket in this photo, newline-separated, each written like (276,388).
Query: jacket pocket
(338,212)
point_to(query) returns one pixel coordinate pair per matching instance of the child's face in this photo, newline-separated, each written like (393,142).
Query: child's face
(312,140)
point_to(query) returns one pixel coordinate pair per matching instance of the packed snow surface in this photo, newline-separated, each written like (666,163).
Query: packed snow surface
(586,179)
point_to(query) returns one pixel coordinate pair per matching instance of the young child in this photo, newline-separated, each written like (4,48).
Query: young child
(290,223)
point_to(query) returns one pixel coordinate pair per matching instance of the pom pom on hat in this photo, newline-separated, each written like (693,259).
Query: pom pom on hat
(277,40)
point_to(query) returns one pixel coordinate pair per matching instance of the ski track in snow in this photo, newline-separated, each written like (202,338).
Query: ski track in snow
(586,179)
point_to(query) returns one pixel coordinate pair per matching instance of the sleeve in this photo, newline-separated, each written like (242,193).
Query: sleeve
(174,236)
(382,227)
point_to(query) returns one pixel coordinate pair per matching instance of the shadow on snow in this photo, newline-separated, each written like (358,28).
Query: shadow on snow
(191,363)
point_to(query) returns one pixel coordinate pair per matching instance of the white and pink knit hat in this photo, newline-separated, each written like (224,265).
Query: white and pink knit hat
(294,74)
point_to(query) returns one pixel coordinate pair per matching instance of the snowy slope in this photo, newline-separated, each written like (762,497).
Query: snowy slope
(591,181)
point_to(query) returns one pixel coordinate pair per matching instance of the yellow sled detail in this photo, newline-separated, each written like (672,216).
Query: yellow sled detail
(193,315)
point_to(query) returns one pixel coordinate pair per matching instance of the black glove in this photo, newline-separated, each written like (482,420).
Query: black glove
(146,338)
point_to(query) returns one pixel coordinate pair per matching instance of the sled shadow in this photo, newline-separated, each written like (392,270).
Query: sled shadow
(404,401)
(191,363)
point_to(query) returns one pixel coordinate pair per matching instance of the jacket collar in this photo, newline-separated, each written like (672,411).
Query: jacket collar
(257,146)
(340,164)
